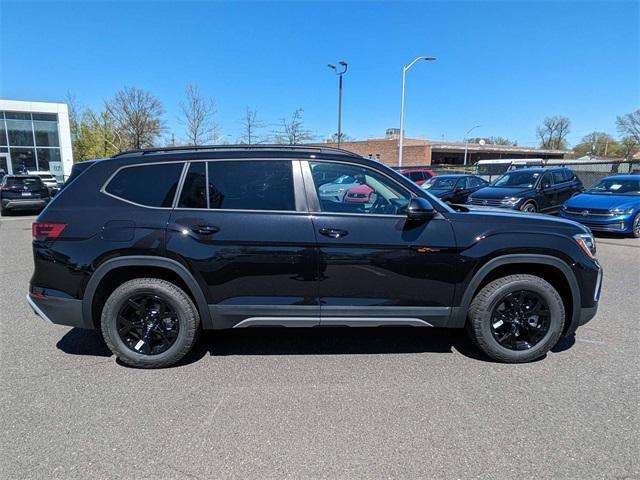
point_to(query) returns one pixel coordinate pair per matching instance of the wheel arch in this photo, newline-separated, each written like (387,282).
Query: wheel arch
(544,266)
(115,271)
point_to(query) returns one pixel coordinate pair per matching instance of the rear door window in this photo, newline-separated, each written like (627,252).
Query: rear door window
(148,185)
(251,185)
(558,177)
(194,189)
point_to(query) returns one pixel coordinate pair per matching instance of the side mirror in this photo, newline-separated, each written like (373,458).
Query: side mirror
(419,209)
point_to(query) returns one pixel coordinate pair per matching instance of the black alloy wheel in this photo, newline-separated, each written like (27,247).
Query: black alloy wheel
(529,207)
(520,320)
(148,324)
(635,230)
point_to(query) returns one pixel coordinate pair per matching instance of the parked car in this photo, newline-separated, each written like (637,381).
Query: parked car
(454,188)
(22,192)
(48,179)
(530,190)
(611,205)
(359,194)
(336,190)
(418,175)
(151,246)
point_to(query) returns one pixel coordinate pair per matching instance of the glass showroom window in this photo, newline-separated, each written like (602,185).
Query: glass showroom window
(23,159)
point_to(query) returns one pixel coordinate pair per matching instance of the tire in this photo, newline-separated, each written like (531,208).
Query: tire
(529,207)
(483,308)
(635,228)
(174,299)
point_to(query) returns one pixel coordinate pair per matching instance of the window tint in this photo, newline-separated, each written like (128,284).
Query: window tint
(251,185)
(150,185)
(546,179)
(568,174)
(462,183)
(558,176)
(194,190)
(370,193)
(475,182)
(416,176)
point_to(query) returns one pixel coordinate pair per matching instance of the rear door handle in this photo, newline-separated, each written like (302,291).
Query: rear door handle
(333,232)
(205,229)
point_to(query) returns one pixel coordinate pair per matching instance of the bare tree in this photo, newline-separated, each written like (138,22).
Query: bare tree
(494,140)
(292,131)
(343,138)
(197,115)
(137,115)
(553,132)
(629,125)
(250,127)
(74,115)
(628,147)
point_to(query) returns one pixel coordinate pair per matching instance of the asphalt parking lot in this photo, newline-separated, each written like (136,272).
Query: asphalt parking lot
(320,403)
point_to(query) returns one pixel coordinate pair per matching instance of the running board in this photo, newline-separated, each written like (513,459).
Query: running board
(330,321)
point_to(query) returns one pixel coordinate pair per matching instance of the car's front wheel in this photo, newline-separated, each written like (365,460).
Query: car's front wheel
(149,323)
(529,207)
(516,319)
(635,228)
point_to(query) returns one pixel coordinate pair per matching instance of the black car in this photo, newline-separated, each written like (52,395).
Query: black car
(151,246)
(22,192)
(530,190)
(454,188)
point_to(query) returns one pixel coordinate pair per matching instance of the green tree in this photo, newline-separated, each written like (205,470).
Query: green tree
(597,144)
(96,136)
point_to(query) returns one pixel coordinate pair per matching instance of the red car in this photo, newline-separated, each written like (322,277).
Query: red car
(418,175)
(359,194)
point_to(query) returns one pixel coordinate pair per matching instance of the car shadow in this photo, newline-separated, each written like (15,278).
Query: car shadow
(306,341)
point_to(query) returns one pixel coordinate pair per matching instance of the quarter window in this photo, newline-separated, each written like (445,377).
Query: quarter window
(149,185)
(370,192)
(251,185)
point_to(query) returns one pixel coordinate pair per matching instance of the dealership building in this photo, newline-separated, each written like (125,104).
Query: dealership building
(35,136)
(421,152)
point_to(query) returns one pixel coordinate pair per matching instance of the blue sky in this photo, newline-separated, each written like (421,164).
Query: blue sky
(503,65)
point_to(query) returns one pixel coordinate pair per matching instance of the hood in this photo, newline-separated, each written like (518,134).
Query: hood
(334,186)
(499,193)
(361,189)
(603,202)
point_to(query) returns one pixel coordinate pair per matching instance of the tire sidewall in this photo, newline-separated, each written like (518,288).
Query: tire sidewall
(529,204)
(551,337)
(636,219)
(109,324)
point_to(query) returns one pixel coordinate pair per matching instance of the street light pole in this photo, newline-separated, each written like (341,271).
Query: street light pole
(340,73)
(404,74)
(466,142)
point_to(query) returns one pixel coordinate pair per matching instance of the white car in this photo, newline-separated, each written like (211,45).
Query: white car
(48,179)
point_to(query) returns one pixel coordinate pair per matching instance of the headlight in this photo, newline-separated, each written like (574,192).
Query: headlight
(587,243)
(512,201)
(621,211)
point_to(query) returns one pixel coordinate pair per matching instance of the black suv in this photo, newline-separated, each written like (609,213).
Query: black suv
(151,246)
(530,190)
(22,192)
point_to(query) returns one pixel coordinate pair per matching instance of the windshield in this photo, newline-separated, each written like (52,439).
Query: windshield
(23,181)
(345,179)
(616,186)
(517,178)
(444,183)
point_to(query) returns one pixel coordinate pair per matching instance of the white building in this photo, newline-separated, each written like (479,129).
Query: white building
(35,136)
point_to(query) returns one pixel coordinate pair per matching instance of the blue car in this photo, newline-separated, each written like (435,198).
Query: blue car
(611,205)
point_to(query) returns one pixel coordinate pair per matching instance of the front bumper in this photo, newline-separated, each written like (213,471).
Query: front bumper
(616,224)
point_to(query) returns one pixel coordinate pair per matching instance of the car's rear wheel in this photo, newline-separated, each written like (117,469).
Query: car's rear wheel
(635,228)
(149,323)
(529,207)
(516,319)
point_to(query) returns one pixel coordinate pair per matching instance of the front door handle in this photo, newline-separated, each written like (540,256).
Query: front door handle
(333,232)
(205,229)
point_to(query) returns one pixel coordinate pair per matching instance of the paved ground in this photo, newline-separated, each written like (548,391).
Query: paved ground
(402,403)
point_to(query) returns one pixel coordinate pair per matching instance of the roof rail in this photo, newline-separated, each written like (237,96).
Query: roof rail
(304,148)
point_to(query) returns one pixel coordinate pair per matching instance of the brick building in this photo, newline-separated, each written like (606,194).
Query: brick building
(420,152)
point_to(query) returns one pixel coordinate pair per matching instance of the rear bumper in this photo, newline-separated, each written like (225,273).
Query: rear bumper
(26,204)
(59,311)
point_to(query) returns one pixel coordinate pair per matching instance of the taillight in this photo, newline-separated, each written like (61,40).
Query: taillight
(46,231)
